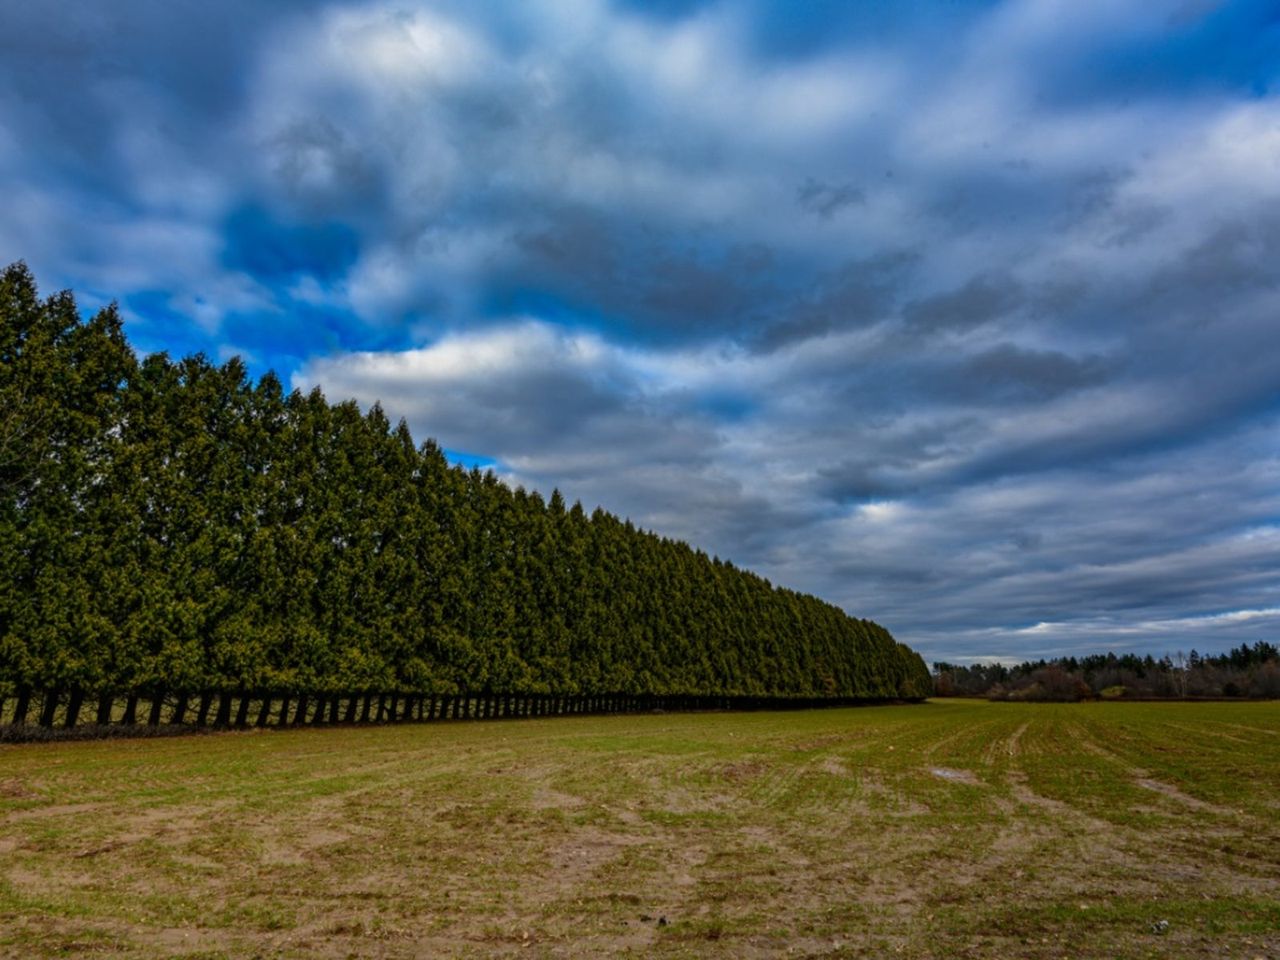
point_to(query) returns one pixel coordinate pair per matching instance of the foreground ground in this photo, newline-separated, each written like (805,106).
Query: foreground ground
(946,829)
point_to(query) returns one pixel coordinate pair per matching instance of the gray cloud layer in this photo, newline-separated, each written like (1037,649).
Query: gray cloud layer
(971,333)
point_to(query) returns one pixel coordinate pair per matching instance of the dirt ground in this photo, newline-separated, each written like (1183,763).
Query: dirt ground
(949,829)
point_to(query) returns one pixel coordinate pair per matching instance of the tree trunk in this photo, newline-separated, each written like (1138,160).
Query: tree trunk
(366,707)
(264,712)
(105,702)
(223,718)
(22,706)
(283,719)
(49,707)
(352,704)
(242,711)
(300,715)
(321,704)
(73,708)
(130,710)
(157,704)
(180,709)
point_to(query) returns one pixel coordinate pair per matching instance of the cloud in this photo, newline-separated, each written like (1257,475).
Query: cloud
(960,316)
(535,396)
(982,299)
(825,200)
(1008,373)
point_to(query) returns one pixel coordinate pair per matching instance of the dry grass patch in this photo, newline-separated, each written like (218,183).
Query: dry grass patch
(946,830)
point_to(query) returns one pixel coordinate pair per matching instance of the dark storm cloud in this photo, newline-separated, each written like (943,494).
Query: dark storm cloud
(1010,374)
(962,316)
(980,300)
(1237,257)
(322,171)
(854,294)
(74,69)
(646,281)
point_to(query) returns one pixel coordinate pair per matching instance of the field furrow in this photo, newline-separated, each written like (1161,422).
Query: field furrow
(950,829)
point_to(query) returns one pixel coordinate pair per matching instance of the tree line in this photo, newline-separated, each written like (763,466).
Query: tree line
(174,525)
(1245,671)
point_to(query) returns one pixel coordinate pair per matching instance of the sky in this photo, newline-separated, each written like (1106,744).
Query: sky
(962,316)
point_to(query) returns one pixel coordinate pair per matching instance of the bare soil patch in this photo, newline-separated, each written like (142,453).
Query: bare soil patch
(671,836)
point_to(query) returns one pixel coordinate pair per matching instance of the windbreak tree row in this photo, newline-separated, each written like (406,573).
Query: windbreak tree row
(172,525)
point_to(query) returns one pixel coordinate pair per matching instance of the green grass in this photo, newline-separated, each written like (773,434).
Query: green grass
(950,829)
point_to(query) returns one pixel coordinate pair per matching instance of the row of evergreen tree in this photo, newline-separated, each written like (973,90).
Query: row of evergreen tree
(175,525)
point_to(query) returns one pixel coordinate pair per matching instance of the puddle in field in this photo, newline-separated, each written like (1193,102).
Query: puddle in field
(955,776)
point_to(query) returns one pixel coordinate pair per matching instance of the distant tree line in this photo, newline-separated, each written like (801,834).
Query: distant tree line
(173,525)
(1246,671)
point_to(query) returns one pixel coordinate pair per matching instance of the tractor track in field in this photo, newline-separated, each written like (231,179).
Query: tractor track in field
(980,830)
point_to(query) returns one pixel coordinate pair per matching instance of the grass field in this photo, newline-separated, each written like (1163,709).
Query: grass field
(947,829)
